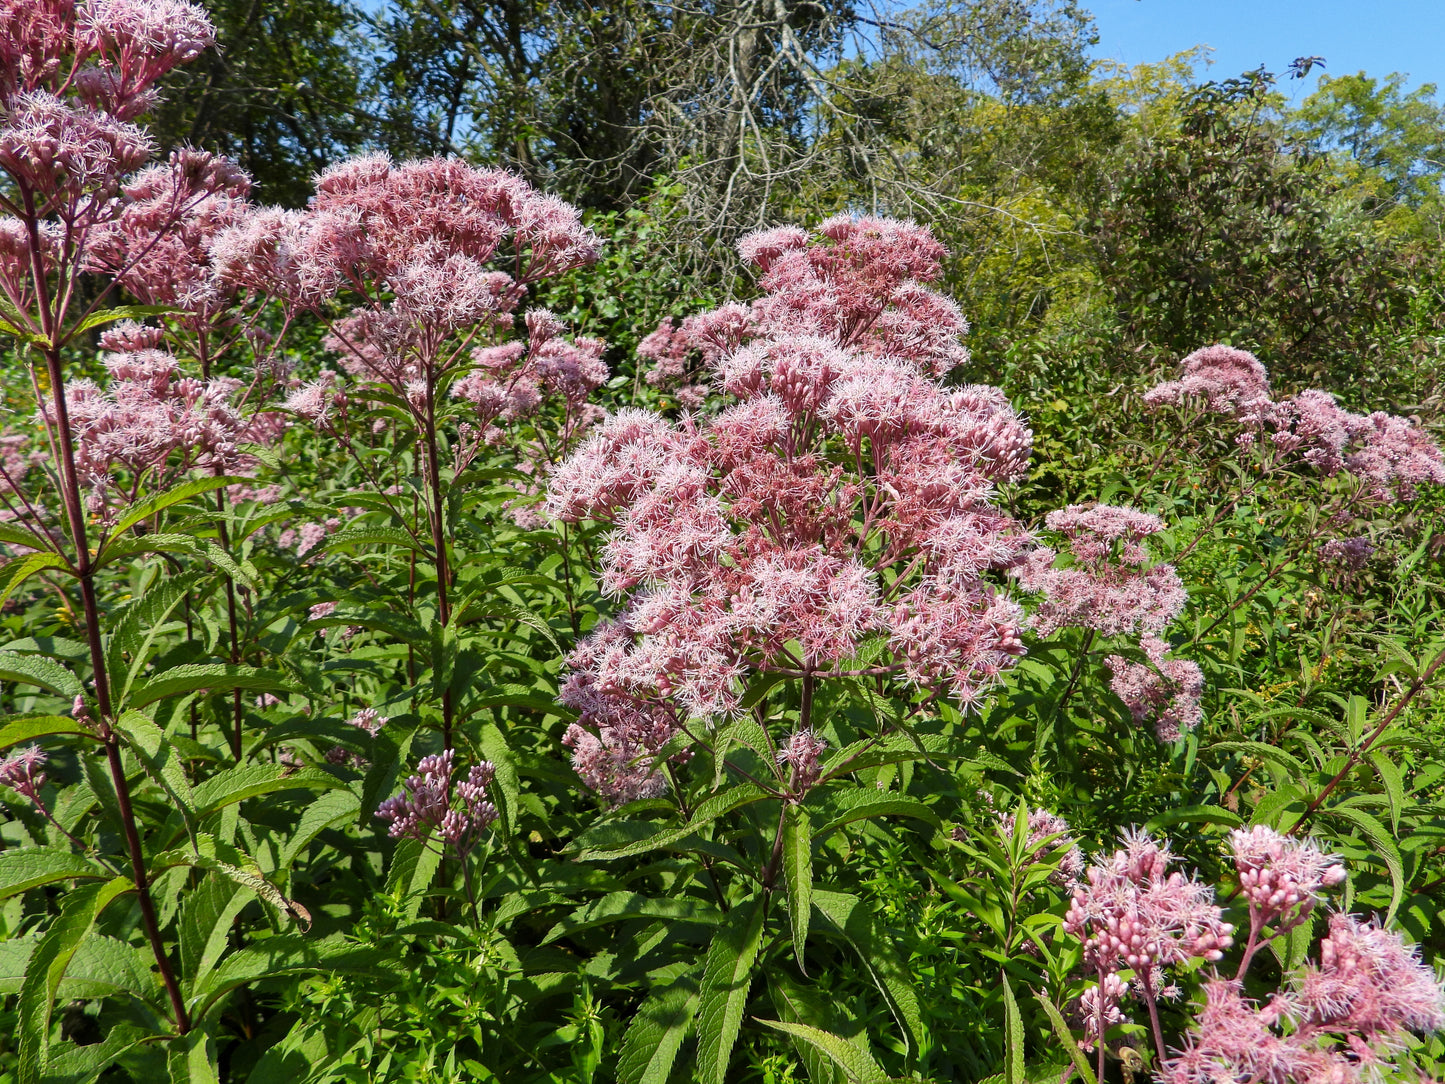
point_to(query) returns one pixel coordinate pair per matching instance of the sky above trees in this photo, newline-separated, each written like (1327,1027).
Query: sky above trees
(1383,37)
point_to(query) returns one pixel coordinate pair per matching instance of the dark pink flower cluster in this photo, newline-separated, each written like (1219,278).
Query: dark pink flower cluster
(1341,1020)
(72,78)
(615,739)
(759,539)
(1167,692)
(413,241)
(1390,455)
(431,802)
(1111,587)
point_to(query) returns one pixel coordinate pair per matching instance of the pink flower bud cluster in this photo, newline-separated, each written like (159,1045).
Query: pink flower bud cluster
(1099,1009)
(1281,877)
(1391,455)
(20,772)
(431,803)
(801,753)
(1168,691)
(1111,587)
(1133,914)
(845,496)
(1049,835)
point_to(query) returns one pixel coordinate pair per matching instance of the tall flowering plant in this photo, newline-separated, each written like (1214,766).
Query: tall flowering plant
(435,258)
(133,471)
(835,531)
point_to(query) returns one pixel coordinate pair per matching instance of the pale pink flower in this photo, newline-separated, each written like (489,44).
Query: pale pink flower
(1131,913)
(1281,877)
(1168,692)
(1229,381)
(801,754)
(1111,587)
(20,772)
(1048,835)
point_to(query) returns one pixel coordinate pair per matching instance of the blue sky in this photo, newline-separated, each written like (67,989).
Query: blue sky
(1377,36)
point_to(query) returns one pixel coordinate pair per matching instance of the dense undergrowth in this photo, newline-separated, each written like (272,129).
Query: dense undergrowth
(402,684)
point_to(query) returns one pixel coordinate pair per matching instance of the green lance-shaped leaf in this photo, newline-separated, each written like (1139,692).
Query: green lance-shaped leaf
(253,780)
(17,571)
(625,906)
(1013,1034)
(413,867)
(162,762)
(207,913)
(798,873)
(1384,844)
(856,1062)
(216,677)
(656,1033)
(209,853)
(1066,1038)
(43,673)
(19,728)
(727,976)
(30,867)
(101,317)
(47,967)
(143,510)
(191,1059)
(73,1064)
(848,806)
(849,918)
(134,637)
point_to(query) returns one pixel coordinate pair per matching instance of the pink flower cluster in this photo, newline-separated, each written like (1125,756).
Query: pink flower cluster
(72,78)
(842,458)
(1111,587)
(150,421)
(615,739)
(1280,877)
(1340,1021)
(511,380)
(156,244)
(1049,835)
(20,772)
(421,234)
(1132,914)
(1168,692)
(430,802)
(1390,455)
(801,755)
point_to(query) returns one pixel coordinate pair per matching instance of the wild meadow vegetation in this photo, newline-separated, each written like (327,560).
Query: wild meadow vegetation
(517,565)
